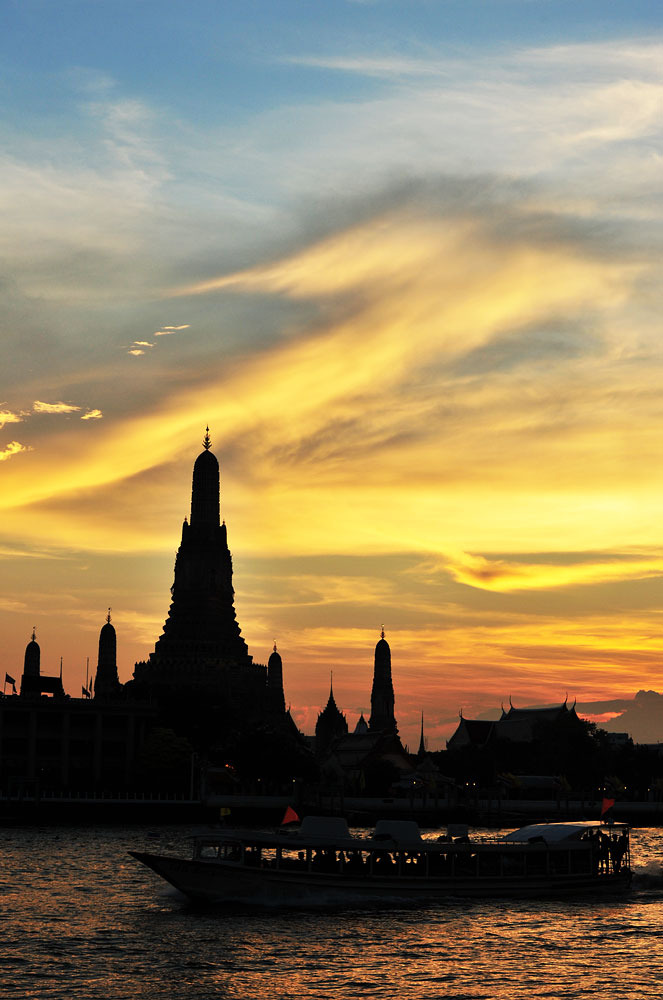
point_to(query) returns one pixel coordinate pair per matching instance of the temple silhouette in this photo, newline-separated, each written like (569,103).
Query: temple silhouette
(200,684)
(201,656)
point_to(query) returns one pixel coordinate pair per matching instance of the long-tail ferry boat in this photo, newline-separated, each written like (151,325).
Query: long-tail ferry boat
(322,863)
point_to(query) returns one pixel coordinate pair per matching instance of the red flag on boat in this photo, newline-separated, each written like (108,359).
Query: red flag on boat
(290,816)
(606,805)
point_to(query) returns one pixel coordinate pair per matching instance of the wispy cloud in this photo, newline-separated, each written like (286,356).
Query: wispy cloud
(8,417)
(40,407)
(507,576)
(165,331)
(92,415)
(138,346)
(12,449)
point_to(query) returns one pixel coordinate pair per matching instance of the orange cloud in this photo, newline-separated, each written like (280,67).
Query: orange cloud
(348,415)
(40,407)
(12,449)
(7,417)
(508,576)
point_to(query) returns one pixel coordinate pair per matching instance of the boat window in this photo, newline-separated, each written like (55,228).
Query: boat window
(230,852)
(513,864)
(208,851)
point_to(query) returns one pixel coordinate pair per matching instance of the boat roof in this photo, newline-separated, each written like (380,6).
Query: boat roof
(327,831)
(555,832)
(333,831)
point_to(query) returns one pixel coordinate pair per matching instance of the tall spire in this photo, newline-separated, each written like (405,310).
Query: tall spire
(275,680)
(207,442)
(382,694)
(106,681)
(201,638)
(422,742)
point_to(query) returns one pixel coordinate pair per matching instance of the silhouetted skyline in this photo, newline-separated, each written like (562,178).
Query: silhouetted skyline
(406,268)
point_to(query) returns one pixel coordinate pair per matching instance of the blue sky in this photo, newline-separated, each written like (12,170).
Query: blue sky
(404,259)
(215,61)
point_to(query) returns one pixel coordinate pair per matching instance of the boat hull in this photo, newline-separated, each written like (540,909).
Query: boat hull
(216,882)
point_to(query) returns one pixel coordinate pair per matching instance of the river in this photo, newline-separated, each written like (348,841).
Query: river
(80,919)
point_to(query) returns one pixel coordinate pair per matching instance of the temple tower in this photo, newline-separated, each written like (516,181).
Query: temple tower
(201,646)
(32,659)
(382,718)
(31,663)
(275,681)
(106,682)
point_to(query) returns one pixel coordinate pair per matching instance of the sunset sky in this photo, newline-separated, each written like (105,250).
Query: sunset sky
(403,257)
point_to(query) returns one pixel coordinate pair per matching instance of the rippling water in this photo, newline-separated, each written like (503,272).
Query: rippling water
(80,919)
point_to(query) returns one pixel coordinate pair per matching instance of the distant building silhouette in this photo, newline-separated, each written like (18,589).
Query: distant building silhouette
(518,725)
(331,725)
(371,758)
(362,726)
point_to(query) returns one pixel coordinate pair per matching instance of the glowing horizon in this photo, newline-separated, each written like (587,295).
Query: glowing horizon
(413,289)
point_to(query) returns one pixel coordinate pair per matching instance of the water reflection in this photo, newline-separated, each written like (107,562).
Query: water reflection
(81,919)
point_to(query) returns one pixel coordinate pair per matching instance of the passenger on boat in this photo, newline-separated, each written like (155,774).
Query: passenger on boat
(324,861)
(617,849)
(383,862)
(355,863)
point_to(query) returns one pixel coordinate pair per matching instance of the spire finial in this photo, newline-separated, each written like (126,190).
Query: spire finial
(382,633)
(34,632)
(108,617)
(274,645)
(422,741)
(60,668)
(207,444)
